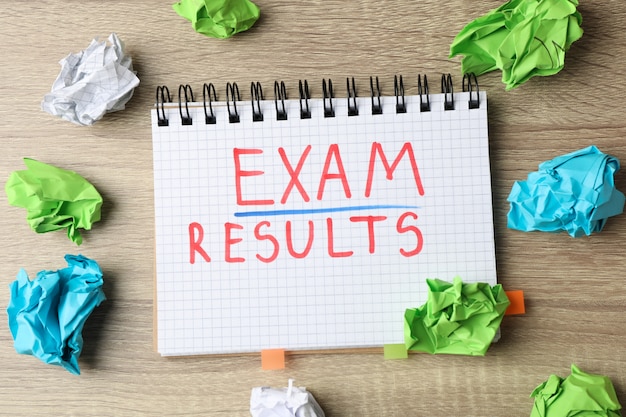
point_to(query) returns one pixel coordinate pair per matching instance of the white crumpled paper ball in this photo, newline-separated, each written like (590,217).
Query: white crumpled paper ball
(96,81)
(284,402)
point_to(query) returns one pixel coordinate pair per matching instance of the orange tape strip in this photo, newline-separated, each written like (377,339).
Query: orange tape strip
(516,298)
(272,359)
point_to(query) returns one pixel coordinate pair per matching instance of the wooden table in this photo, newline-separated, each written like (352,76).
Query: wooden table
(574,288)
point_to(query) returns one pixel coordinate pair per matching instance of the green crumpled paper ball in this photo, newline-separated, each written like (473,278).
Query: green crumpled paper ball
(457,318)
(579,395)
(54,199)
(219,18)
(522,38)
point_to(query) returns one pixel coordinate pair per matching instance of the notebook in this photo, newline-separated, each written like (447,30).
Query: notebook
(312,222)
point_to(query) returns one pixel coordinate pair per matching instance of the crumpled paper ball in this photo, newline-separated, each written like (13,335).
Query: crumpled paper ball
(219,18)
(54,199)
(573,192)
(47,314)
(457,318)
(522,38)
(284,402)
(580,394)
(93,82)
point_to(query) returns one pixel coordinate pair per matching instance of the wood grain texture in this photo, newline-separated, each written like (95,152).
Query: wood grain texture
(575,293)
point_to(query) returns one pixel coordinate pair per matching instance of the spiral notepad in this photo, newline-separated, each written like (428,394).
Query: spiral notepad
(313,223)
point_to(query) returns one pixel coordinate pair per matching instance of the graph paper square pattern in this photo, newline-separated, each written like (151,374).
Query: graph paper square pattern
(306,234)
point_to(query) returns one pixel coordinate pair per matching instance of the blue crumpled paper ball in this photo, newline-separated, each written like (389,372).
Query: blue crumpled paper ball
(47,314)
(574,192)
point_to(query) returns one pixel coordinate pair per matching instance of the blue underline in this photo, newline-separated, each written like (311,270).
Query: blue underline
(321,210)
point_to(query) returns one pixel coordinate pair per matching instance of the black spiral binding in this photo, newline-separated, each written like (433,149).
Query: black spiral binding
(280,94)
(185,118)
(353,110)
(231,89)
(422,90)
(305,96)
(398,91)
(162,97)
(327,90)
(377,107)
(208,91)
(256,94)
(447,89)
(472,88)
(209,96)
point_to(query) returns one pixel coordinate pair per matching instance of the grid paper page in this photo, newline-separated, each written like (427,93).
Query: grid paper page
(315,233)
